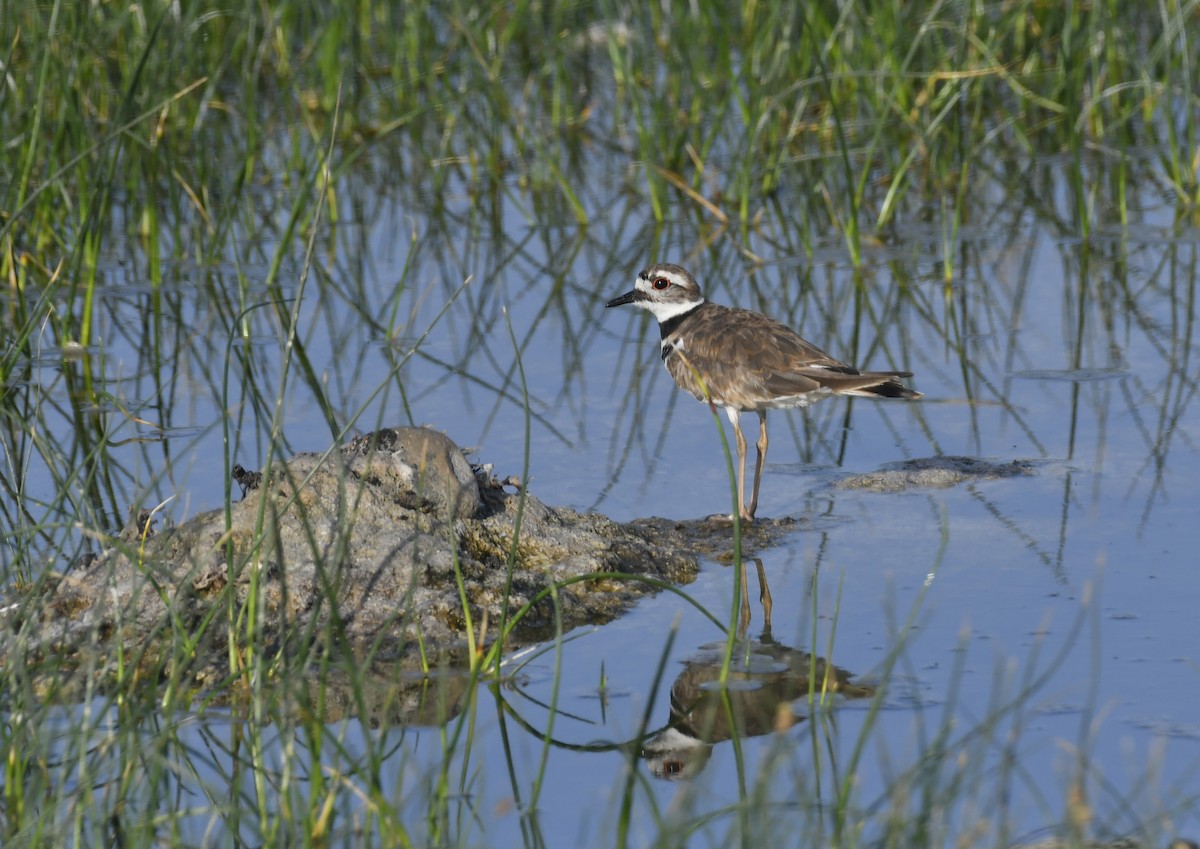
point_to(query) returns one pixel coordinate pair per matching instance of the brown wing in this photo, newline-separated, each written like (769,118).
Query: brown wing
(749,360)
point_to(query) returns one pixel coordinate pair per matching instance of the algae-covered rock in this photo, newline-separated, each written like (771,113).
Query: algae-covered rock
(933,472)
(364,542)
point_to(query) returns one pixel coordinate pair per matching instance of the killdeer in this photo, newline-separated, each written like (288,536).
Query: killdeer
(745,360)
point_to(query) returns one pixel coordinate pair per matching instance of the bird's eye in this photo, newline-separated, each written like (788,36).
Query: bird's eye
(661,283)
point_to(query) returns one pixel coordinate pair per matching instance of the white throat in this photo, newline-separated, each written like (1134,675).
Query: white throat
(666,312)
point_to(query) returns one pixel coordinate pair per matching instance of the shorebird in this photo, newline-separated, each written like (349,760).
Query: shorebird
(744,361)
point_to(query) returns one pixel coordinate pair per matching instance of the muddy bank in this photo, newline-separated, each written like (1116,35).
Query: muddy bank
(359,548)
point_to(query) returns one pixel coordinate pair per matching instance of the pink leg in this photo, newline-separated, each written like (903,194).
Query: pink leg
(734,417)
(758,465)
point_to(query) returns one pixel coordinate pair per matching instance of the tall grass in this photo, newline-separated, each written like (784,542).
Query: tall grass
(220,162)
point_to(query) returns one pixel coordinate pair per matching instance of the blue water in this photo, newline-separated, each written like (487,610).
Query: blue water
(1085,570)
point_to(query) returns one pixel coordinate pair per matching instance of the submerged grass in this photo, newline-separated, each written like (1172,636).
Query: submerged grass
(188,153)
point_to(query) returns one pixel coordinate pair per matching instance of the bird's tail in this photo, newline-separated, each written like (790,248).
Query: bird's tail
(877,384)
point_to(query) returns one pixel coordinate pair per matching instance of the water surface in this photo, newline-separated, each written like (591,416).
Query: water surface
(1061,605)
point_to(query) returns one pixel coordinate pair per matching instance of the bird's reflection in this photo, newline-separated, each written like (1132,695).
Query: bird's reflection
(767,681)
(764,598)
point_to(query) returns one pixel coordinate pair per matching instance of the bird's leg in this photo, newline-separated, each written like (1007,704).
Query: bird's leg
(735,417)
(762,456)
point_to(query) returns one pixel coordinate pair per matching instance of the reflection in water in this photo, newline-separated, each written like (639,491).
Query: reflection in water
(764,598)
(383,696)
(765,681)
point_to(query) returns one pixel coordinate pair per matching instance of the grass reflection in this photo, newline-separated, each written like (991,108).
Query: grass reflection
(196,203)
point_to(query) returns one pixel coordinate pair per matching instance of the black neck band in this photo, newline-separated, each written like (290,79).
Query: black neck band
(666,328)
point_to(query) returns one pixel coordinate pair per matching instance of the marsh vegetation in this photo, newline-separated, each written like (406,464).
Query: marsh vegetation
(230,235)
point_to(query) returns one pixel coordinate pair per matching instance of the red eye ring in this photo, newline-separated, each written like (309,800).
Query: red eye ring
(661,283)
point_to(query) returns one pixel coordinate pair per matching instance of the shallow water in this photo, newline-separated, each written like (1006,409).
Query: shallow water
(1078,357)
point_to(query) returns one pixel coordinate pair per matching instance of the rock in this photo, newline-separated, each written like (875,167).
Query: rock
(422,467)
(364,543)
(937,472)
